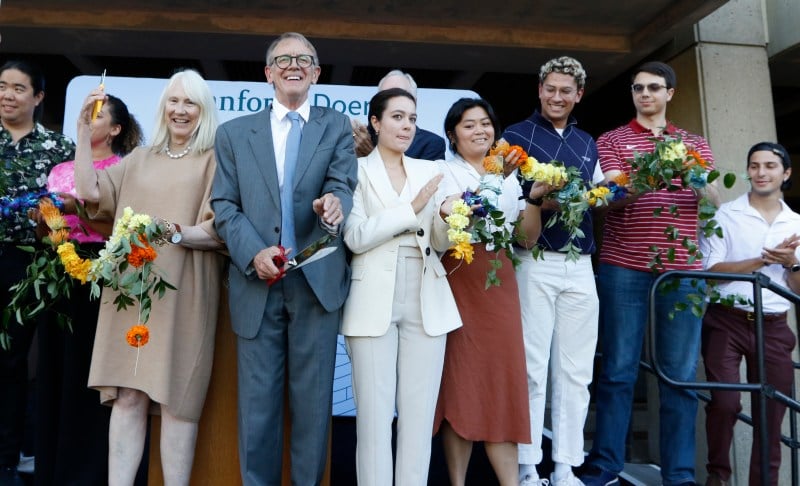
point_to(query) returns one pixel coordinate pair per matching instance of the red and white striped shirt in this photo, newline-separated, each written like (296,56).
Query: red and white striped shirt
(631,231)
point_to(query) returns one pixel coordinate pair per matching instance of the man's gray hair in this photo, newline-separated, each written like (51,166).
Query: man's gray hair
(397,72)
(564,65)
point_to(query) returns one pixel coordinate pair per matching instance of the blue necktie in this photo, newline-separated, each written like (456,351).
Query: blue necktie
(289,164)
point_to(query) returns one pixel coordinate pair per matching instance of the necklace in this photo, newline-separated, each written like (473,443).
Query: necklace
(179,155)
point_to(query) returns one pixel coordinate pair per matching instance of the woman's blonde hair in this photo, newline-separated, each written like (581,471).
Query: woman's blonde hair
(198,91)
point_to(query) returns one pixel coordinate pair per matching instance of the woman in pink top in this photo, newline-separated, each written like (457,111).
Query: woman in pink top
(71,425)
(114,134)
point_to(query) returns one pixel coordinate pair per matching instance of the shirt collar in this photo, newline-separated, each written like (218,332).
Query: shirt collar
(281,111)
(540,119)
(742,203)
(638,128)
(38,131)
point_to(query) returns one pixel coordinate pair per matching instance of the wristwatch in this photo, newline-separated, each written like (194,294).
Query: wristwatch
(795,267)
(535,202)
(176,237)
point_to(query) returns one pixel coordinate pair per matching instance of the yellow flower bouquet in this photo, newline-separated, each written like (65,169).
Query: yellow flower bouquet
(574,196)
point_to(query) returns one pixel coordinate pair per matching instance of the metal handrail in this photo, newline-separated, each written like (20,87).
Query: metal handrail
(763,388)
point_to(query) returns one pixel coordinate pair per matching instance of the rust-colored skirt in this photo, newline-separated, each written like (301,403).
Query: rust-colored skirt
(484,392)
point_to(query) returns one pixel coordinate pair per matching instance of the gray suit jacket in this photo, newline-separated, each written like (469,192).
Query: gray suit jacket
(246,201)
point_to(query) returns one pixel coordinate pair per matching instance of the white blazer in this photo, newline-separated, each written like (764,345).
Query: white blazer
(371,231)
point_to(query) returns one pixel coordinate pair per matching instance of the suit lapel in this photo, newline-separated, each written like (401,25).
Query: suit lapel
(264,155)
(379,180)
(312,135)
(416,176)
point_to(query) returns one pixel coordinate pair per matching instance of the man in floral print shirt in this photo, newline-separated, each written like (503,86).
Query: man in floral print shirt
(27,153)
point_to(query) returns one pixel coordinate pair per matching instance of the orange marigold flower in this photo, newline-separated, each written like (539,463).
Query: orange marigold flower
(138,335)
(51,214)
(694,158)
(500,147)
(58,236)
(139,255)
(523,156)
(493,164)
(622,179)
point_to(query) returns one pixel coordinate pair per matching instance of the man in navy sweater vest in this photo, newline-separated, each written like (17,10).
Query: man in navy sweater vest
(558,297)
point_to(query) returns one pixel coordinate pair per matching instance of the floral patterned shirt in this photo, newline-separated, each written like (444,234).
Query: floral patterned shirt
(25,165)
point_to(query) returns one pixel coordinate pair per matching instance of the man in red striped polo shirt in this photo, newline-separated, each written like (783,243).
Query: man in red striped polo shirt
(625,278)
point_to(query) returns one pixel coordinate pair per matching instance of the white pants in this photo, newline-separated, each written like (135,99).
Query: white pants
(404,366)
(559,321)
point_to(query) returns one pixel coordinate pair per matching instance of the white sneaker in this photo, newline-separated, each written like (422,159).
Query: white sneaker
(529,481)
(568,480)
(26,464)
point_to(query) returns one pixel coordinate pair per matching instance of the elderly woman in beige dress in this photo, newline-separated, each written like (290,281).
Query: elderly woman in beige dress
(171,180)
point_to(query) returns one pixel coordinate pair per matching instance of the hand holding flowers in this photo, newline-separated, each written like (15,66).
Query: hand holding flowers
(476,217)
(573,195)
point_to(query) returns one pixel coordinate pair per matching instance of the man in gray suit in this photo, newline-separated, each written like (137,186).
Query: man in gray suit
(286,331)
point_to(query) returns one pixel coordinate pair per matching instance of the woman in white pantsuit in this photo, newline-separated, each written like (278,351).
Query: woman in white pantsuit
(400,307)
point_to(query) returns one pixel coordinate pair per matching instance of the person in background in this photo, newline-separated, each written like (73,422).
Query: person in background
(484,390)
(28,151)
(425,145)
(169,180)
(760,234)
(558,298)
(625,277)
(396,322)
(71,425)
(285,179)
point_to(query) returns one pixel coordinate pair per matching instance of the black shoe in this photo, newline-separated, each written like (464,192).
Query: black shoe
(10,477)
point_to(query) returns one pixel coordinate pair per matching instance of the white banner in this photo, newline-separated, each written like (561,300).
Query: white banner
(236,98)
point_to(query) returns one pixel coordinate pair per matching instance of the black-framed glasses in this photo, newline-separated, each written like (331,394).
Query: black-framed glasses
(652,87)
(284,61)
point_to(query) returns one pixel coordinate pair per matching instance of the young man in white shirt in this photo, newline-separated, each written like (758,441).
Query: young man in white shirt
(760,233)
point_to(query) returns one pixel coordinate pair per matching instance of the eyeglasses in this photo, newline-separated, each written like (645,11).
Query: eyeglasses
(303,61)
(652,87)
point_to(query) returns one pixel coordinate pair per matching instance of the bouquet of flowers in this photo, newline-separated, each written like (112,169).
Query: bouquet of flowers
(126,266)
(574,196)
(45,282)
(476,217)
(673,166)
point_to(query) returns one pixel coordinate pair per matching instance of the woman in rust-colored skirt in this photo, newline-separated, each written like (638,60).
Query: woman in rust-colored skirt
(484,390)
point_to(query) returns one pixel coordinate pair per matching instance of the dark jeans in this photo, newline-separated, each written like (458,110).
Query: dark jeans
(13,362)
(728,336)
(624,305)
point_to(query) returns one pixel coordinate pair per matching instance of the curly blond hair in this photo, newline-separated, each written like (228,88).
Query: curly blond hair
(564,65)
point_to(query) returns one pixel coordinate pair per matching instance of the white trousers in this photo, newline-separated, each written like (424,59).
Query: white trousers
(403,368)
(560,311)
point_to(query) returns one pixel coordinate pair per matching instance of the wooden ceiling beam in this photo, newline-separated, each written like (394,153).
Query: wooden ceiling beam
(404,30)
